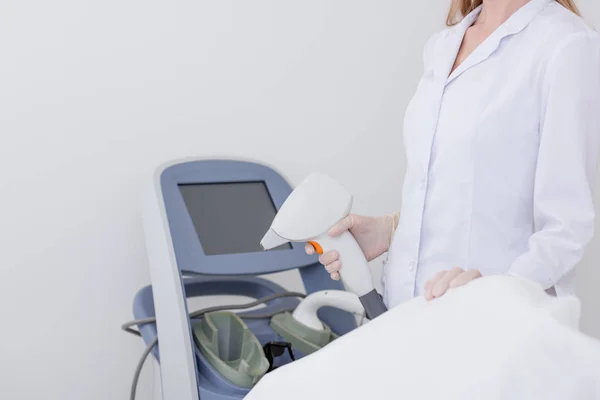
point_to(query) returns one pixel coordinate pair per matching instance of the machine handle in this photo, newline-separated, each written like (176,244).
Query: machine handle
(355,272)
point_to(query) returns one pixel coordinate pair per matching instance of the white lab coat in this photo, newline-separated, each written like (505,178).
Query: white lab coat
(501,154)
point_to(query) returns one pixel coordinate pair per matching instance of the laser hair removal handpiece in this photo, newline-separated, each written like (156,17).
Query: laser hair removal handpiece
(317,204)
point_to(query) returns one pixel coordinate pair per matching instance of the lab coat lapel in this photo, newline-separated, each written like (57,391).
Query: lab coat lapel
(450,45)
(515,24)
(445,51)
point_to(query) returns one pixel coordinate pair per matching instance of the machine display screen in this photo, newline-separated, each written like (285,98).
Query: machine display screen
(230,217)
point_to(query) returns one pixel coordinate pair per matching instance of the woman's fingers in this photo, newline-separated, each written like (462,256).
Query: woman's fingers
(333,267)
(309,249)
(465,278)
(329,257)
(438,285)
(444,280)
(431,283)
(442,284)
(343,225)
(331,261)
(324,259)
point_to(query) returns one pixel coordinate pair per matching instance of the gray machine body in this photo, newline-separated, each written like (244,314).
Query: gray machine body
(373,304)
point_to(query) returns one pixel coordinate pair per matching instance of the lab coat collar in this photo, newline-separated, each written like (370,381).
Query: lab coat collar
(462,26)
(454,37)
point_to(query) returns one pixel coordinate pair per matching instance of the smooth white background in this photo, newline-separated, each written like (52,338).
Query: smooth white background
(93,95)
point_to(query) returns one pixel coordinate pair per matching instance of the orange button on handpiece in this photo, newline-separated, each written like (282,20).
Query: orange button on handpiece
(317,247)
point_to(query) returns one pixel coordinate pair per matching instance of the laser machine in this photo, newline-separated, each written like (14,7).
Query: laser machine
(203,222)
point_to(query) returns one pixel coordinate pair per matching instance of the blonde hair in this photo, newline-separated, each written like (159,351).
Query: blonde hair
(461,8)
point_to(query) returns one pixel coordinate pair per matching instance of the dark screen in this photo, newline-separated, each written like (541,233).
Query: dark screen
(230,217)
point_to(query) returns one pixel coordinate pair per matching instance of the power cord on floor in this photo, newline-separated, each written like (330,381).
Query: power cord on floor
(127,327)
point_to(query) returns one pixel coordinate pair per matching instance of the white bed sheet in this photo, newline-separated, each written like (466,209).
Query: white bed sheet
(495,338)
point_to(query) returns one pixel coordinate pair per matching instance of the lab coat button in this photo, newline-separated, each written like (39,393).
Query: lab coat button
(411,265)
(422,184)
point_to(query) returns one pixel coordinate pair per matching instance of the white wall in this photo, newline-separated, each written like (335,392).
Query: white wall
(93,95)
(588,278)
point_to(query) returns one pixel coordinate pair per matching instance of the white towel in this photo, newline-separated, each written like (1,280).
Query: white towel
(495,338)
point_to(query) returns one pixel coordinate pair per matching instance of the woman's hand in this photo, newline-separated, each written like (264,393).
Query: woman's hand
(373,235)
(444,280)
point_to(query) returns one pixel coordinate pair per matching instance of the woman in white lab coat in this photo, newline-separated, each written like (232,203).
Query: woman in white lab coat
(501,139)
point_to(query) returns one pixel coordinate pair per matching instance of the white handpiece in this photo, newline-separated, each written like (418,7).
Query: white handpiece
(355,272)
(306,312)
(318,203)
